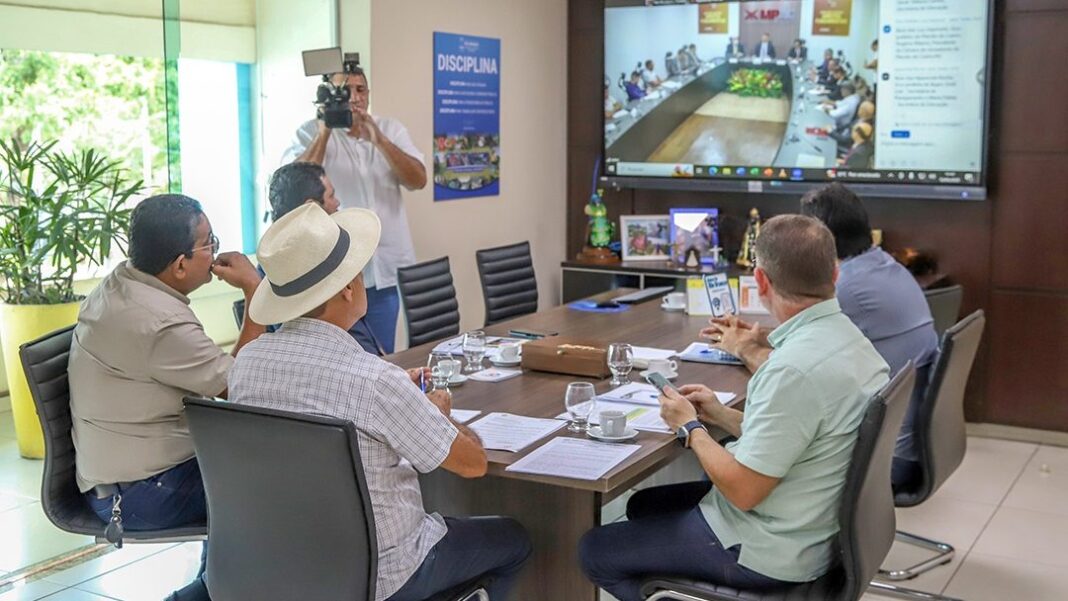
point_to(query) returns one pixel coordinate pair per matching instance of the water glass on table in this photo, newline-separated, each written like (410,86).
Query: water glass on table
(474,349)
(579,401)
(620,362)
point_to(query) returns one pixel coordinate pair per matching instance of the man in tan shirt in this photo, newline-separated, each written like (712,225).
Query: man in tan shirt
(137,350)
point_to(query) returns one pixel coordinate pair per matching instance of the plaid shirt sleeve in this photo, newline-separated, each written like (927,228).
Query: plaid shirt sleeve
(408,422)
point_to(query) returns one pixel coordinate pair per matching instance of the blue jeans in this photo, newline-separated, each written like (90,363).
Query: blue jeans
(495,547)
(169,499)
(665,535)
(383,306)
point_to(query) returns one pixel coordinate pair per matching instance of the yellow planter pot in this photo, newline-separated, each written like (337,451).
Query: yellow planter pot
(20,324)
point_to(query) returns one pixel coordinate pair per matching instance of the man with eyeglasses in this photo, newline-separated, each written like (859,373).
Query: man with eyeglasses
(138,349)
(368,163)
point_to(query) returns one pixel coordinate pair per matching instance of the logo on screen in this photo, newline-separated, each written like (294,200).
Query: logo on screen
(768,14)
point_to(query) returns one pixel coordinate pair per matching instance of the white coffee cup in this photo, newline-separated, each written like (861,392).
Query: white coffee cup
(664,367)
(675,300)
(451,367)
(613,423)
(509,352)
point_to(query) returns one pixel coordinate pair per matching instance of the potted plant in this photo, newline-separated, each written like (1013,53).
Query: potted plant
(59,211)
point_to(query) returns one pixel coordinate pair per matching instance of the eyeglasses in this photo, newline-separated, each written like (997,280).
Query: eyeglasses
(213,244)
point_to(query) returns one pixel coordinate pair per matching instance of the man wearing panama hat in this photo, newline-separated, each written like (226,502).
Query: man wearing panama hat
(314,287)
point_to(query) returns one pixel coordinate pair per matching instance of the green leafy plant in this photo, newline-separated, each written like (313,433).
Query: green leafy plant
(58,211)
(761,83)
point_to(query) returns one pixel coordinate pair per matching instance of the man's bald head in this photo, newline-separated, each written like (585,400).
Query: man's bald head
(797,254)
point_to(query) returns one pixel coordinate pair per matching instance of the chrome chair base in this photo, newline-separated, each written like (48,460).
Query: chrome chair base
(892,590)
(479,595)
(673,596)
(943,554)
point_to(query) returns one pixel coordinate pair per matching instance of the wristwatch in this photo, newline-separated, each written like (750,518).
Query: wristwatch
(686,429)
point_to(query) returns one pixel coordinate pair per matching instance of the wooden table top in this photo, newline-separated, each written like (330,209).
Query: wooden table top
(540,394)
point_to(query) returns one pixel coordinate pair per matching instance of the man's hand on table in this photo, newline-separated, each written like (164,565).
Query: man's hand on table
(734,335)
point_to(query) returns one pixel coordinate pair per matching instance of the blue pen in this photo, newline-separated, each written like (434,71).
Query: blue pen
(422,381)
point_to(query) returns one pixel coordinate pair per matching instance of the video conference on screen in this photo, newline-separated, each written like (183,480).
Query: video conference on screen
(802,90)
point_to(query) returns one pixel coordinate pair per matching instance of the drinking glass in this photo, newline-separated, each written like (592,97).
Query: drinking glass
(579,401)
(437,357)
(474,350)
(620,362)
(440,379)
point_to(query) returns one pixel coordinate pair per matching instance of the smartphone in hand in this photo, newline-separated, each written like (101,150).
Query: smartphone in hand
(659,381)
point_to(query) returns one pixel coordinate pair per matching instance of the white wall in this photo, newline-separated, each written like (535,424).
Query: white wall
(283,30)
(639,33)
(531,205)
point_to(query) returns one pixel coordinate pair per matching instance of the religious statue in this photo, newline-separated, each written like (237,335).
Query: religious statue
(747,257)
(599,232)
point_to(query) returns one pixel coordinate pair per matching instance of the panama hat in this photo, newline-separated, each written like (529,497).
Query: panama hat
(309,257)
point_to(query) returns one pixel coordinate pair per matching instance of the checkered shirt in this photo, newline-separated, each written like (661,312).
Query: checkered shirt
(310,366)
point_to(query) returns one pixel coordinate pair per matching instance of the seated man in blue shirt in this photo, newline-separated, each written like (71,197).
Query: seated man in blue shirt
(878,294)
(770,514)
(300,183)
(885,302)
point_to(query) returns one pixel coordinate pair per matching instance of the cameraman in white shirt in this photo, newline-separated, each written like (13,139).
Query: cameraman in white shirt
(368,163)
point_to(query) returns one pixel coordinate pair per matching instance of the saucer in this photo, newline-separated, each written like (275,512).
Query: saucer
(671,309)
(595,432)
(670,376)
(457,380)
(503,363)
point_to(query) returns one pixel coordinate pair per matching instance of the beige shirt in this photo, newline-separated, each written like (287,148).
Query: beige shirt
(138,349)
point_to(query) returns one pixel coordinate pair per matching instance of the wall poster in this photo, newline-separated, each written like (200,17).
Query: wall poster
(831,17)
(467,118)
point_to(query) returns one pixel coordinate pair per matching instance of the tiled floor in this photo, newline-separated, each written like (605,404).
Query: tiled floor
(1004,510)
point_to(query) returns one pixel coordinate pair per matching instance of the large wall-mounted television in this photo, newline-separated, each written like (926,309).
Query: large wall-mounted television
(888,96)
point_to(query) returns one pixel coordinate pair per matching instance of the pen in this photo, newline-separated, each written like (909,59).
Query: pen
(422,381)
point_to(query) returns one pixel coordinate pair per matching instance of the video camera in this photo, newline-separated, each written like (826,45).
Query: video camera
(332,100)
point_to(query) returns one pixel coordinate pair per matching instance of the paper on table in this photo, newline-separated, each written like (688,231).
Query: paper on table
(495,374)
(645,394)
(642,355)
(635,392)
(638,417)
(574,458)
(508,432)
(455,345)
(464,415)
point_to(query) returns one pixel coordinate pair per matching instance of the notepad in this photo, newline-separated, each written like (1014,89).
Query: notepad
(508,432)
(495,374)
(574,458)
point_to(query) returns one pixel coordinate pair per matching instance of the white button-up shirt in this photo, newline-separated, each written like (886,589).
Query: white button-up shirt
(363,178)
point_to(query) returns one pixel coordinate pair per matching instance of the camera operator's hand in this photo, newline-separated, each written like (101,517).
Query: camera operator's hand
(364,126)
(324,131)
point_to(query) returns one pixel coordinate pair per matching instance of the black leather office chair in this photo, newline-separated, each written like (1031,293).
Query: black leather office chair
(866,516)
(508,284)
(239,312)
(45,363)
(945,306)
(940,433)
(428,298)
(291,516)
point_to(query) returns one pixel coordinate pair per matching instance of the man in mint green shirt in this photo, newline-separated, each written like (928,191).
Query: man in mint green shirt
(771,515)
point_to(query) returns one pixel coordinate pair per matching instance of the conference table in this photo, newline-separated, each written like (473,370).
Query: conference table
(646,123)
(558,511)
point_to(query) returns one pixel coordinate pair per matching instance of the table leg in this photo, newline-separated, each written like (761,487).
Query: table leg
(556,518)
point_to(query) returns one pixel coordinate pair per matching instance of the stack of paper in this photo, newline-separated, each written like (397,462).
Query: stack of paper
(508,432)
(574,458)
